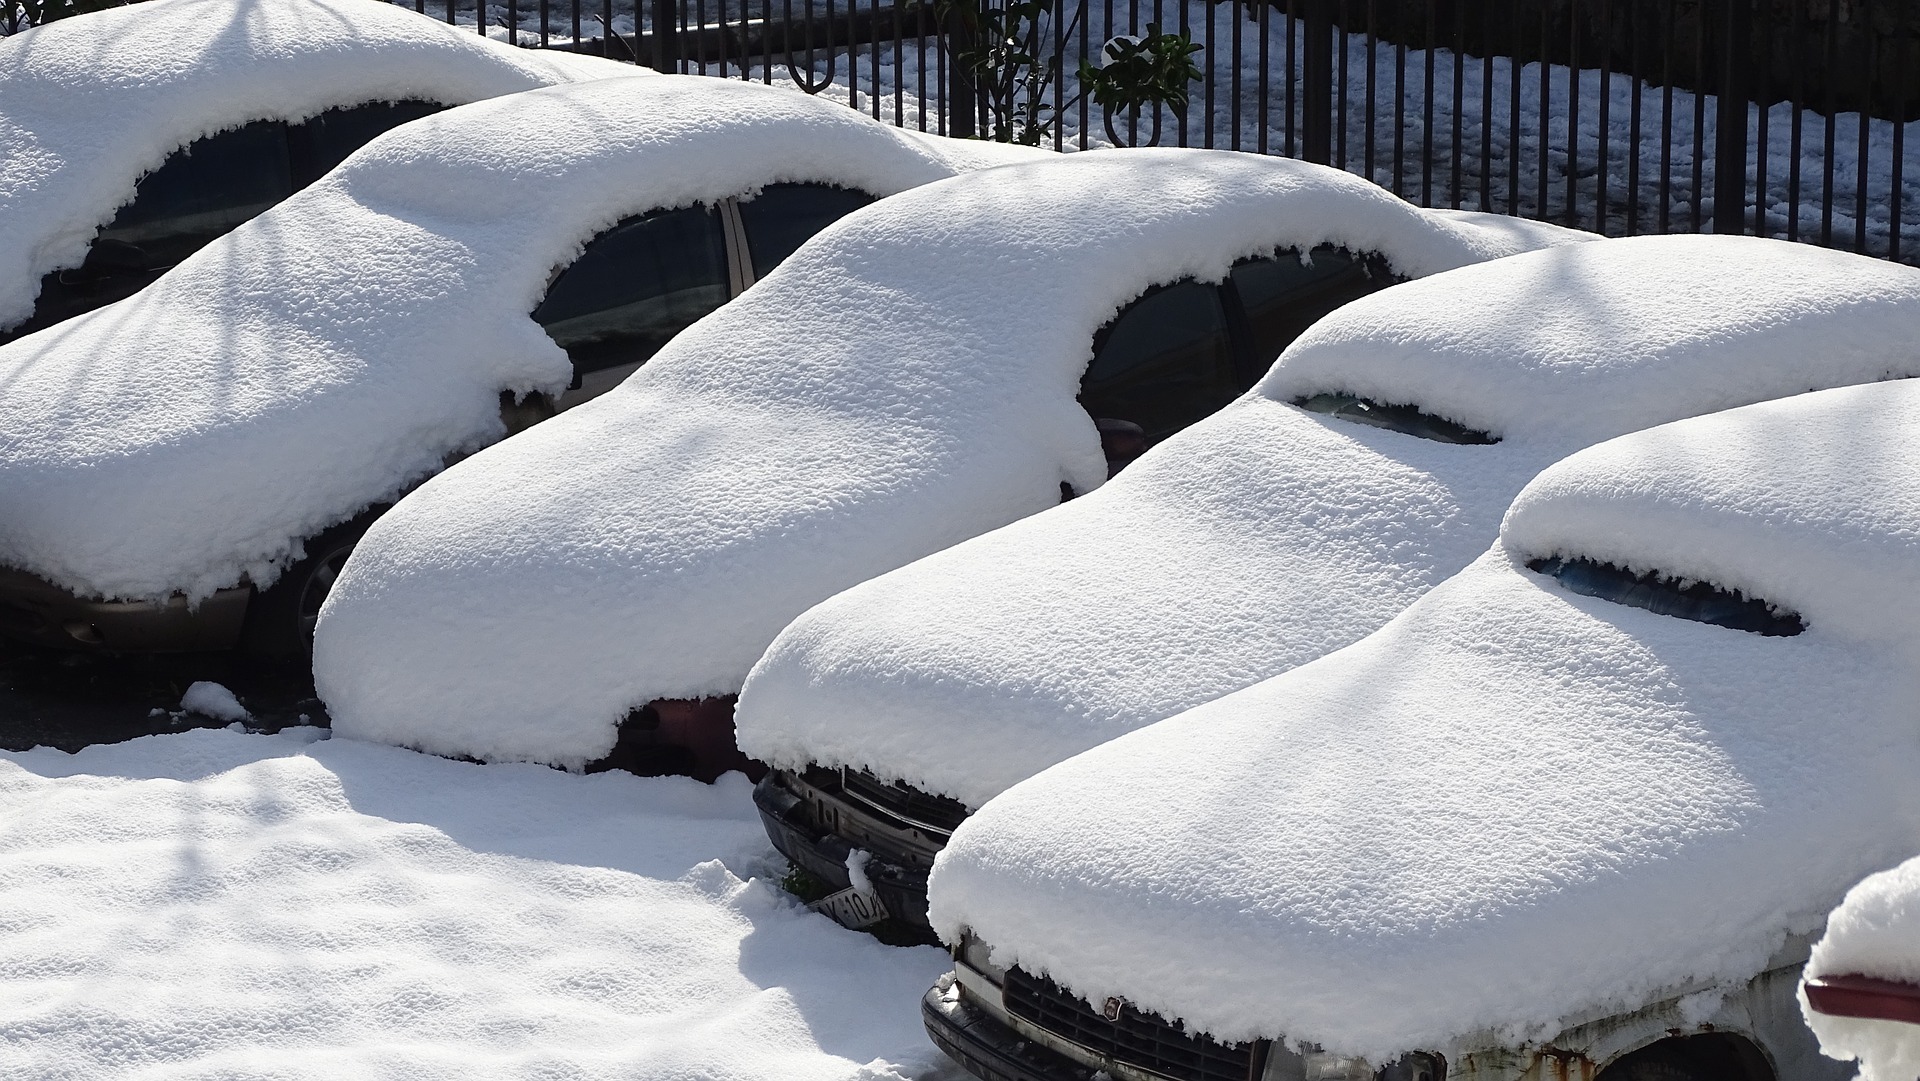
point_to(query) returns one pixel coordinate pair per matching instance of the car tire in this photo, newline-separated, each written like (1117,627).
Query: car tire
(1644,1067)
(280,618)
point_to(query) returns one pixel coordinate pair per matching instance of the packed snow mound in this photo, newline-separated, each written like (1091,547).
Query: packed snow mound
(344,344)
(218,905)
(1420,836)
(903,382)
(89,105)
(1267,536)
(1875,932)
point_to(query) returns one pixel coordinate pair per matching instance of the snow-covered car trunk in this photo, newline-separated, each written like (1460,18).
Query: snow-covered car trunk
(1272,534)
(326,356)
(1861,992)
(89,105)
(905,381)
(1533,800)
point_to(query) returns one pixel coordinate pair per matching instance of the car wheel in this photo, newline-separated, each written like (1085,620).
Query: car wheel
(1654,1067)
(281,618)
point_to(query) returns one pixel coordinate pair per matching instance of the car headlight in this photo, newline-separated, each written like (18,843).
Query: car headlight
(973,953)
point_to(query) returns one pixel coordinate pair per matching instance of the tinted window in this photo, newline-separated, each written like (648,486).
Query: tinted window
(1283,296)
(784,216)
(1668,596)
(636,286)
(1406,419)
(200,193)
(1166,362)
(318,145)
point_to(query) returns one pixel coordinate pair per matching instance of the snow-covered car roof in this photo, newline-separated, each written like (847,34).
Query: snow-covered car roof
(1875,933)
(904,381)
(1269,535)
(344,344)
(1513,805)
(89,105)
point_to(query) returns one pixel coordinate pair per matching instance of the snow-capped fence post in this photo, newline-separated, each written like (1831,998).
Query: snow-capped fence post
(1730,130)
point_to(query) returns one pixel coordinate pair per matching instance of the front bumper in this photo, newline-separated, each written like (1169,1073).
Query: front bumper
(35,611)
(986,1048)
(823,854)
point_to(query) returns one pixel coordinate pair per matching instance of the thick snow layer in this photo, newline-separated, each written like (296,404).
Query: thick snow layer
(1875,932)
(905,381)
(219,905)
(1268,536)
(88,105)
(1512,804)
(347,342)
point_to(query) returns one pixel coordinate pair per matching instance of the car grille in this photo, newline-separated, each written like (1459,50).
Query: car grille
(1136,1038)
(907,804)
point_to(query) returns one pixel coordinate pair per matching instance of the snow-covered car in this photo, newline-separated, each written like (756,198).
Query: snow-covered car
(1860,992)
(913,377)
(1373,462)
(189,468)
(1578,810)
(131,137)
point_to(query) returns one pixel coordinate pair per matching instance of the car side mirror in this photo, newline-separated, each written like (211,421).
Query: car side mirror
(1121,441)
(519,415)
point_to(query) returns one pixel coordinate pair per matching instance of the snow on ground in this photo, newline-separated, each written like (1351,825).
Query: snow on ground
(90,104)
(1267,536)
(212,904)
(213,700)
(906,380)
(1875,932)
(343,345)
(1434,831)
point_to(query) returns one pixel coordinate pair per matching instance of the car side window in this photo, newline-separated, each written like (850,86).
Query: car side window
(1667,595)
(636,286)
(784,216)
(201,192)
(1282,296)
(316,146)
(1165,362)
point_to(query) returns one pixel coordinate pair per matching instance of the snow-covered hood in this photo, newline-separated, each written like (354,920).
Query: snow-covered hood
(1875,933)
(1267,536)
(1424,835)
(903,382)
(342,345)
(88,105)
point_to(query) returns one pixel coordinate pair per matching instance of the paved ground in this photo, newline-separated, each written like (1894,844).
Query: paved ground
(70,700)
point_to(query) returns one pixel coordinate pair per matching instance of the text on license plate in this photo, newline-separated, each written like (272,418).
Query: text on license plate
(850,908)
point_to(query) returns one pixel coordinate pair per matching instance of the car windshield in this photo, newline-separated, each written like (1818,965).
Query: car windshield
(1400,418)
(1669,596)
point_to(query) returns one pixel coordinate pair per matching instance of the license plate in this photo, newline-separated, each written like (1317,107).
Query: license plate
(851,909)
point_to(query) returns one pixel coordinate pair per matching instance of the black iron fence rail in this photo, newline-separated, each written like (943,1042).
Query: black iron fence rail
(1782,118)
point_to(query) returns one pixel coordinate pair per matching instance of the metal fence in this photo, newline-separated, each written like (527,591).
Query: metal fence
(1782,118)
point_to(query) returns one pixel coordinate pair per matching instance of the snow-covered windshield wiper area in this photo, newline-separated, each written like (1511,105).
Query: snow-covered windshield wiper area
(1400,418)
(1698,601)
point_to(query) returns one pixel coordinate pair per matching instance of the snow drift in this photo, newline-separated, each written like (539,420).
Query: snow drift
(341,346)
(88,105)
(1423,835)
(1875,932)
(905,381)
(1267,536)
(211,904)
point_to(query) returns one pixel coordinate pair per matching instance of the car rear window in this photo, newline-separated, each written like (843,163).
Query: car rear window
(1667,595)
(1284,294)
(636,286)
(1406,419)
(1165,362)
(784,216)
